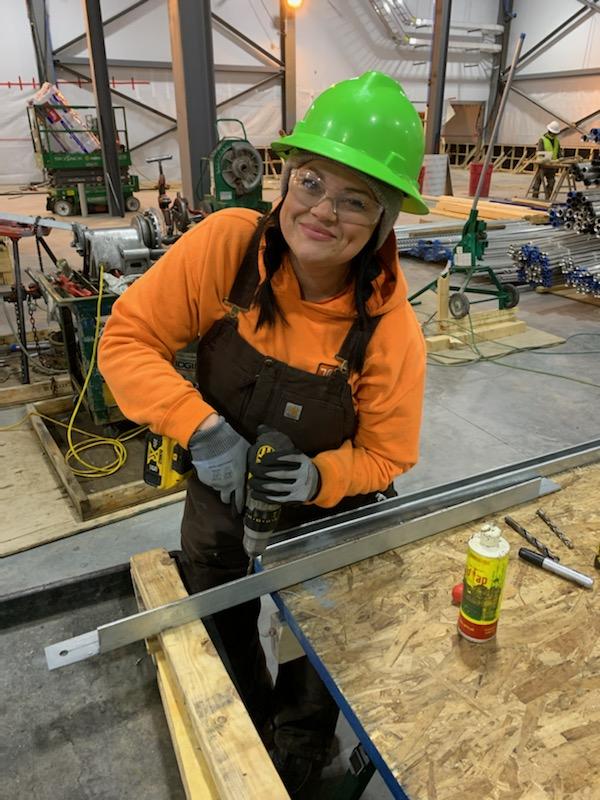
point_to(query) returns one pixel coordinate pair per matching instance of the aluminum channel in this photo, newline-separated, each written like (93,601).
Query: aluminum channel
(149,623)
(337,528)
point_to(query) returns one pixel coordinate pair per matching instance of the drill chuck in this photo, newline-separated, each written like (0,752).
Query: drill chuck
(260,520)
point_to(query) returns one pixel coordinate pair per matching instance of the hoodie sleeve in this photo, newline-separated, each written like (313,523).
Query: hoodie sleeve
(389,397)
(172,304)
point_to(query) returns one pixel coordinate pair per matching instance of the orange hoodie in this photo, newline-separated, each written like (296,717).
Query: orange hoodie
(181,296)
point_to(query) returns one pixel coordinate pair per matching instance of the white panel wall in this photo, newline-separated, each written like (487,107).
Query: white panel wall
(336,39)
(569,97)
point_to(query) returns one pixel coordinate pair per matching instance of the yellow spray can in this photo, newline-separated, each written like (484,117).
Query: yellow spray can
(485,574)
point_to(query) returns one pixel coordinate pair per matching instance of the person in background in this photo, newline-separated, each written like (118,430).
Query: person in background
(548,150)
(304,326)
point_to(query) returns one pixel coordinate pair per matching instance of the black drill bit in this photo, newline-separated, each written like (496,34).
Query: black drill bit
(531,539)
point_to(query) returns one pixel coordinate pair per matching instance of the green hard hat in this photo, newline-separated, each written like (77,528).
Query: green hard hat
(367,123)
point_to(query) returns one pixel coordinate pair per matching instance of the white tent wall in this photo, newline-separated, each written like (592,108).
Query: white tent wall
(17,59)
(572,97)
(336,39)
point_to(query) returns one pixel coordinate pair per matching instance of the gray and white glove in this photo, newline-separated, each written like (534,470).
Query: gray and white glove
(284,476)
(219,455)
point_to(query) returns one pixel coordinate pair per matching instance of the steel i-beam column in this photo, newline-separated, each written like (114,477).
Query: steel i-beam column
(437,75)
(194,82)
(287,18)
(40,30)
(106,119)
(505,16)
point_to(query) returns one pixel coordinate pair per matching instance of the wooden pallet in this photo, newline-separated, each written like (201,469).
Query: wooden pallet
(219,752)
(15,394)
(571,294)
(97,497)
(483,326)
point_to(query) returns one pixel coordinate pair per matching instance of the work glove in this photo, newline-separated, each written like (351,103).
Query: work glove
(284,476)
(219,455)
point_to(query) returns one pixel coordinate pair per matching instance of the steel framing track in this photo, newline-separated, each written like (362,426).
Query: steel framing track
(338,542)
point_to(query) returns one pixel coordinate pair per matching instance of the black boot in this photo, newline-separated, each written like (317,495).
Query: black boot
(299,774)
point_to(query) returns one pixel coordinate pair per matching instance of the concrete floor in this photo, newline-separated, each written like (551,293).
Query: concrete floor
(477,417)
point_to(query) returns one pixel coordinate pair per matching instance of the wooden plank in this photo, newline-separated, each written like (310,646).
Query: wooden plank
(239,764)
(572,294)
(443,285)
(55,405)
(128,494)
(484,326)
(57,459)
(38,390)
(195,775)
(517,717)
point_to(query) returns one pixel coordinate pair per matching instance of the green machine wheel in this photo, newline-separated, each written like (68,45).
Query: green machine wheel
(63,208)
(459,305)
(512,296)
(132,203)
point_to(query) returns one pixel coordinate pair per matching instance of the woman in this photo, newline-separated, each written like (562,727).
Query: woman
(304,326)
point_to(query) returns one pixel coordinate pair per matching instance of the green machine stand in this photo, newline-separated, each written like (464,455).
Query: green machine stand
(469,251)
(236,172)
(77,317)
(71,174)
(465,257)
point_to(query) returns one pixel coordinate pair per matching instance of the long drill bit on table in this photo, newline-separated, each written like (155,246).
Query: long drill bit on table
(531,539)
(554,528)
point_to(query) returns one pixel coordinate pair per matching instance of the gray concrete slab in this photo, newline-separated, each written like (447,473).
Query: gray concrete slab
(95,730)
(91,550)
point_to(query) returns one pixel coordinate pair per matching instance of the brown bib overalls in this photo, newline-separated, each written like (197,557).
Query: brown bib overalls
(248,389)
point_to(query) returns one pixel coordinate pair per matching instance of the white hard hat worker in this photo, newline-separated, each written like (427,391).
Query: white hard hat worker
(553,127)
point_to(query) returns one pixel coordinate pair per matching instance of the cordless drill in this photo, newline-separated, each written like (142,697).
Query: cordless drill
(166,462)
(260,518)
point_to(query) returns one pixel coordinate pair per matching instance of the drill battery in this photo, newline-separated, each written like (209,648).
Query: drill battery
(166,462)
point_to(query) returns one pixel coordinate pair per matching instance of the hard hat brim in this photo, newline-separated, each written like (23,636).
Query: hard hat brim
(350,157)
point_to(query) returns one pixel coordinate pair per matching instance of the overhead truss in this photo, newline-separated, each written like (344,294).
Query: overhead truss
(271,70)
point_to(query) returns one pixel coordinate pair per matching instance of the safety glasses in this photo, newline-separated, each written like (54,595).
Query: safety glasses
(309,189)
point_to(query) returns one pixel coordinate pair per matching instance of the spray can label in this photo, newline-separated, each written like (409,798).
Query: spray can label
(482,594)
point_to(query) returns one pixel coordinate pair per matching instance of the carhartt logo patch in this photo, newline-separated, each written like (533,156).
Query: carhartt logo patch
(325,370)
(292,411)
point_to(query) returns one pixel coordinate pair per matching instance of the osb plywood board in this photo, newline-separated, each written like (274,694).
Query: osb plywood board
(36,507)
(517,718)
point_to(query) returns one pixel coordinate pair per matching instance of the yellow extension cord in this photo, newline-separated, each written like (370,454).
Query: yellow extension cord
(87,470)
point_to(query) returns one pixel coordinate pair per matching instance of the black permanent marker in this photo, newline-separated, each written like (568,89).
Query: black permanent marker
(558,569)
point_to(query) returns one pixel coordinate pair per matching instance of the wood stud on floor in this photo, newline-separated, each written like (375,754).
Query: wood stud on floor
(220,754)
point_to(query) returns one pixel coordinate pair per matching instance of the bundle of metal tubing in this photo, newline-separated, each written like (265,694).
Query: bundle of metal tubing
(592,136)
(540,258)
(587,172)
(581,268)
(580,213)
(432,244)
(565,257)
